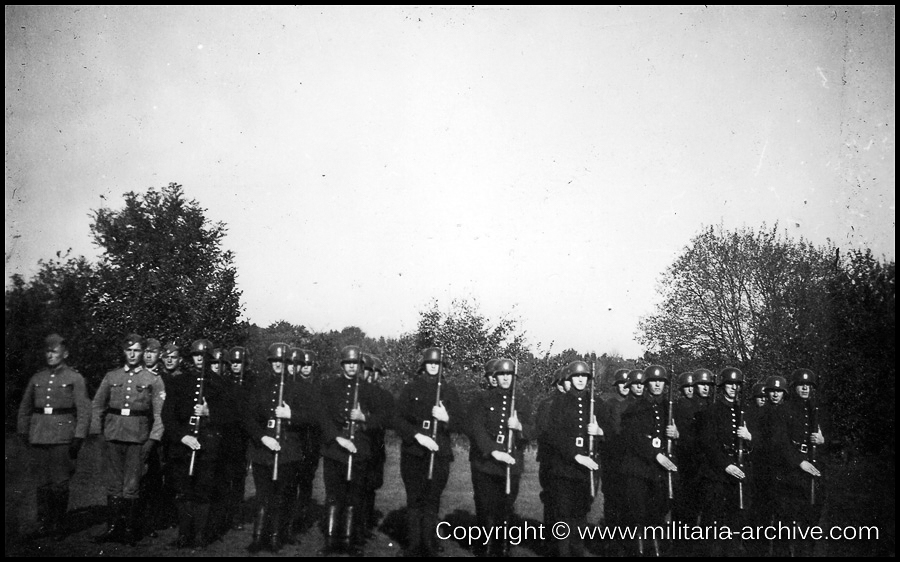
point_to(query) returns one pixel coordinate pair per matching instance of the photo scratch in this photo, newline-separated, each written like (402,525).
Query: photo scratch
(761,156)
(822,74)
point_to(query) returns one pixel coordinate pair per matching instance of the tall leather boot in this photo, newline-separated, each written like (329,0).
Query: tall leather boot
(114,527)
(413,532)
(275,520)
(331,531)
(358,532)
(60,508)
(43,511)
(346,530)
(203,527)
(131,511)
(259,523)
(429,536)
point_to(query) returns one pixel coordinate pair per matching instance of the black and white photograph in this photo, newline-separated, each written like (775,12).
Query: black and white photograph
(450,281)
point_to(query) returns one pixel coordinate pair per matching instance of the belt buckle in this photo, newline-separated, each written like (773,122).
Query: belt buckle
(194,420)
(803,448)
(579,441)
(501,438)
(270,424)
(125,411)
(48,411)
(426,424)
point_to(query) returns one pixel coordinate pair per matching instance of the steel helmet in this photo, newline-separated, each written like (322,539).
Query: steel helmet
(803,376)
(203,347)
(368,362)
(378,366)
(278,352)
(758,390)
(620,377)
(703,376)
(295,356)
(218,354)
(577,369)
(655,373)
(490,367)
(351,354)
(238,354)
(636,376)
(432,355)
(730,375)
(685,379)
(776,382)
(309,357)
(504,365)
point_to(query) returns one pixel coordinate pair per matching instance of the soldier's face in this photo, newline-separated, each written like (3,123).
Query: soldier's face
(505,380)
(637,389)
(237,367)
(133,354)
(277,366)
(172,361)
(292,369)
(802,391)
(350,369)
(776,396)
(492,381)
(703,390)
(656,387)
(688,391)
(55,355)
(214,367)
(579,382)
(199,360)
(432,368)
(151,357)
(760,401)
(730,389)
(567,384)
(305,370)
(623,389)
(367,375)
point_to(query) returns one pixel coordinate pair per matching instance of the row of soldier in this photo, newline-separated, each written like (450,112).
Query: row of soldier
(207,425)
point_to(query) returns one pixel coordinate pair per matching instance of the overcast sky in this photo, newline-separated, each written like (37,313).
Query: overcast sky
(549,163)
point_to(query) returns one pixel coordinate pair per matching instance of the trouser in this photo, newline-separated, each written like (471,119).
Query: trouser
(273,498)
(228,498)
(306,475)
(123,468)
(423,498)
(151,491)
(497,506)
(571,500)
(344,500)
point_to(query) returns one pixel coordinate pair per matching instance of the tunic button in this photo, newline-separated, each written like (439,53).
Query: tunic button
(51,382)
(128,388)
(126,404)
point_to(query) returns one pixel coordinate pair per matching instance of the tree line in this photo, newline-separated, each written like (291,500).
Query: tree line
(753,299)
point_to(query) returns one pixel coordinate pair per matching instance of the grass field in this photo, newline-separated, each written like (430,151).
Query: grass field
(860,493)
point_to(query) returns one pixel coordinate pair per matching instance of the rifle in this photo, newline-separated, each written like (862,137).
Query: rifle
(670,421)
(813,426)
(195,420)
(359,367)
(510,436)
(437,402)
(277,419)
(740,445)
(591,437)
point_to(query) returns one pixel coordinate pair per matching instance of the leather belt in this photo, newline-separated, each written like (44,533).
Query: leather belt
(55,411)
(128,412)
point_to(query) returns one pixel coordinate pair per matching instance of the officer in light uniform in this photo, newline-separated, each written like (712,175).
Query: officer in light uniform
(127,410)
(53,419)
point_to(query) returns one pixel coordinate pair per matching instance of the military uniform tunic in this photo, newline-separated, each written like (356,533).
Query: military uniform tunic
(54,410)
(644,437)
(127,409)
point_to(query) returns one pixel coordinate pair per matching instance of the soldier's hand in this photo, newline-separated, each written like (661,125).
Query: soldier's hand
(201,409)
(192,442)
(503,456)
(356,414)
(817,438)
(74,447)
(666,463)
(283,411)
(587,462)
(810,468)
(347,444)
(427,442)
(733,470)
(440,413)
(672,431)
(146,449)
(744,433)
(514,422)
(594,428)
(271,443)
